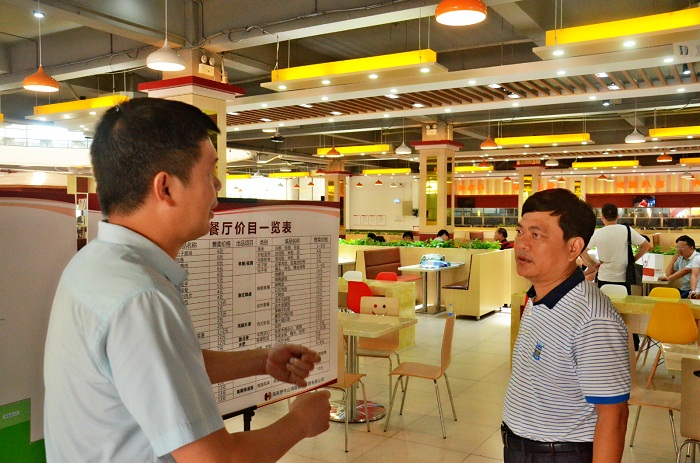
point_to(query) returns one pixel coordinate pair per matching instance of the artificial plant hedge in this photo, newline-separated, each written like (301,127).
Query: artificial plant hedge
(474,244)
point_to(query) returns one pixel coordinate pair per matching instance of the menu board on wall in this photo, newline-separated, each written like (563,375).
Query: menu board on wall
(265,274)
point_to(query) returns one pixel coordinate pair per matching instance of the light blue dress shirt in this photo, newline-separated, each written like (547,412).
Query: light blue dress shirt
(124,374)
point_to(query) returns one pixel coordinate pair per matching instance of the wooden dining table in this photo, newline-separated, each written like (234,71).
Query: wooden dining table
(357,326)
(636,310)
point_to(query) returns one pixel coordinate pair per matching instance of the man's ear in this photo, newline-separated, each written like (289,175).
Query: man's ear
(162,187)
(576,247)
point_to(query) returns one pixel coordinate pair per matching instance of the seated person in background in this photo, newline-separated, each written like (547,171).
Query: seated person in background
(501,235)
(371,236)
(681,266)
(380,239)
(407,236)
(443,235)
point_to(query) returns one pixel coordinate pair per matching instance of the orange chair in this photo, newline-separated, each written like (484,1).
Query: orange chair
(426,371)
(387,276)
(383,346)
(670,323)
(356,291)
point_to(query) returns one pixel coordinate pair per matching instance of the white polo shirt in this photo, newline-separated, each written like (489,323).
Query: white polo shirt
(571,354)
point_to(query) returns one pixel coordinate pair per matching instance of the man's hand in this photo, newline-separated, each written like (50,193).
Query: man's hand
(313,411)
(290,363)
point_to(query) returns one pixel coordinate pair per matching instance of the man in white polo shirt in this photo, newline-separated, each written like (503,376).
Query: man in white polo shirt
(570,381)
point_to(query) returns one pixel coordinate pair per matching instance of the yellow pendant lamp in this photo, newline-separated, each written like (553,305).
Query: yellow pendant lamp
(460,12)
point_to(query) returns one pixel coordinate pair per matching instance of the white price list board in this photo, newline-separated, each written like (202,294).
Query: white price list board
(265,275)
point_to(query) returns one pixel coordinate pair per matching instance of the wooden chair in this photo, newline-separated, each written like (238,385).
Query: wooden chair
(384,346)
(356,291)
(690,405)
(650,398)
(422,370)
(671,323)
(347,380)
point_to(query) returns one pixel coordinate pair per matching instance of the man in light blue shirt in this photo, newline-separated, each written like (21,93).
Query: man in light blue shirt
(126,379)
(681,265)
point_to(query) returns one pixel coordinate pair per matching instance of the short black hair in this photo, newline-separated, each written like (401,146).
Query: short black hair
(443,232)
(139,138)
(503,232)
(407,234)
(576,218)
(371,236)
(609,211)
(688,240)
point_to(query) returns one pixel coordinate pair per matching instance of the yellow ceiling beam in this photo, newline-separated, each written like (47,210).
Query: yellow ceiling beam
(237,176)
(405,170)
(603,164)
(79,106)
(625,28)
(288,174)
(689,161)
(476,168)
(675,132)
(545,140)
(356,150)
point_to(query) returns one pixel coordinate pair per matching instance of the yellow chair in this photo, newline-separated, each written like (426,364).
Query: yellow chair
(670,323)
(667,292)
(657,291)
(384,346)
(641,397)
(422,370)
(345,381)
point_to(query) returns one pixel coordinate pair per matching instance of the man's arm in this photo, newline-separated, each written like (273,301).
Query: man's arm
(587,261)
(610,429)
(308,416)
(643,249)
(290,363)
(670,273)
(694,273)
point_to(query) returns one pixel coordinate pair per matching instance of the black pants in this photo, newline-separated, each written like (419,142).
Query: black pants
(635,336)
(520,450)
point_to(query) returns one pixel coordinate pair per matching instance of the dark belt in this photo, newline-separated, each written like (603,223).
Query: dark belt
(513,441)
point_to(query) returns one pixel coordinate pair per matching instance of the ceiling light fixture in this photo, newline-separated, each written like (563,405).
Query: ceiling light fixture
(664,158)
(545,140)
(507,179)
(296,185)
(484,165)
(489,144)
(311,183)
(551,163)
(460,12)
(359,185)
(403,148)
(165,59)
(561,180)
(603,164)
(687,174)
(40,81)
(602,177)
(378,183)
(635,136)
(277,138)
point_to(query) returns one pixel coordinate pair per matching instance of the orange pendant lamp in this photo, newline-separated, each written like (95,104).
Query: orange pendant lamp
(460,12)
(40,81)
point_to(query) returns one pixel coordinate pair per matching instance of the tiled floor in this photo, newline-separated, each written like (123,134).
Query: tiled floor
(478,377)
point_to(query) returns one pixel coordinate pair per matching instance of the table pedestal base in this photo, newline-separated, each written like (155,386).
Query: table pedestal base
(374,410)
(432,309)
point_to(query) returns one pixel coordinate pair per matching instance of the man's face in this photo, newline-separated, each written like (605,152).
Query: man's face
(683,249)
(541,253)
(200,193)
(497,236)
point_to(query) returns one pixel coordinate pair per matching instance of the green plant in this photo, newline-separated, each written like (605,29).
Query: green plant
(659,250)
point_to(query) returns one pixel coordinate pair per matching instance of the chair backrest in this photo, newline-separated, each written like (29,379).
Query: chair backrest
(387,276)
(380,306)
(446,354)
(352,275)
(613,290)
(476,235)
(690,398)
(660,291)
(672,322)
(356,291)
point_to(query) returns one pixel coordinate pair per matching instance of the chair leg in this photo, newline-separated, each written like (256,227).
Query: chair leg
(642,347)
(347,413)
(449,393)
(391,368)
(403,396)
(673,430)
(364,399)
(398,362)
(442,420)
(634,428)
(653,368)
(391,403)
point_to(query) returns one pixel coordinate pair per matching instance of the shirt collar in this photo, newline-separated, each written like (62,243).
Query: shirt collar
(552,298)
(146,248)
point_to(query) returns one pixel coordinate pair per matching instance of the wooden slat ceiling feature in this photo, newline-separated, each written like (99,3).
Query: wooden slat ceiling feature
(559,86)
(574,153)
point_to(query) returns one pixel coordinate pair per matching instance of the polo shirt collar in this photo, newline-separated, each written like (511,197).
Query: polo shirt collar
(552,298)
(146,248)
